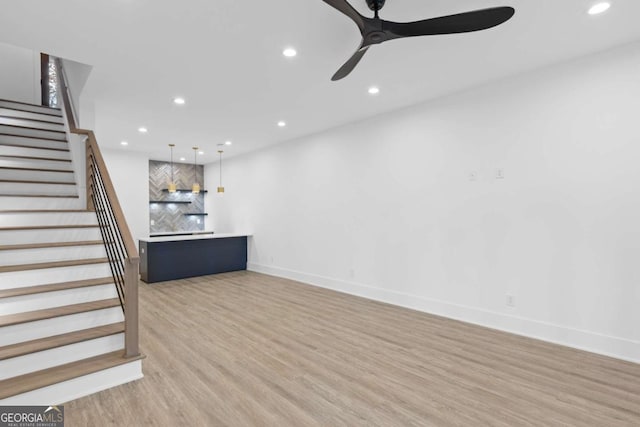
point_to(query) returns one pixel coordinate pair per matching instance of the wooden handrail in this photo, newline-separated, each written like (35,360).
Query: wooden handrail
(132,262)
(92,143)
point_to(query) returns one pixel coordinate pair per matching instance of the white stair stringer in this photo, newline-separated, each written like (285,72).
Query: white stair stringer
(76,388)
(57,356)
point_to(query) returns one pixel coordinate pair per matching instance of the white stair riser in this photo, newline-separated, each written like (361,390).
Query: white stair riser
(31,123)
(65,167)
(60,356)
(37,133)
(18,237)
(45,300)
(27,175)
(76,388)
(48,189)
(59,325)
(28,107)
(29,115)
(46,218)
(6,150)
(30,256)
(21,279)
(34,203)
(33,142)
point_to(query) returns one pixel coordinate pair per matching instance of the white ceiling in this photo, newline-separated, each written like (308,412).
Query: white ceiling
(224,57)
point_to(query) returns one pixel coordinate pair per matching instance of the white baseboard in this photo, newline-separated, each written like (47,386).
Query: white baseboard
(619,348)
(76,388)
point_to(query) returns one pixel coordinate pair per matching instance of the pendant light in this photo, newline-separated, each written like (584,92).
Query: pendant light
(172,183)
(220,187)
(195,188)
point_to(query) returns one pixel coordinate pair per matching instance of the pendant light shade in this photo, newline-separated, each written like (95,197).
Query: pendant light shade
(195,188)
(220,187)
(172,184)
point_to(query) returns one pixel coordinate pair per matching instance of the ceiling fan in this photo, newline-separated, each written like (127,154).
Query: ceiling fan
(375,30)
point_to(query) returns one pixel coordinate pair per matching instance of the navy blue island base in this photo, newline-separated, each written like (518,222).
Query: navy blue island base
(179,257)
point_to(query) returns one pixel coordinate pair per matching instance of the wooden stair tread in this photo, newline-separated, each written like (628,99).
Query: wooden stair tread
(49,245)
(32,137)
(48,227)
(52,287)
(49,159)
(48,343)
(52,114)
(33,128)
(18,168)
(6,144)
(30,105)
(53,264)
(29,119)
(65,310)
(23,181)
(57,196)
(30,211)
(46,377)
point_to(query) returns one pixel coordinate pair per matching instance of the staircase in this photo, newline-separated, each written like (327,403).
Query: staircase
(62,328)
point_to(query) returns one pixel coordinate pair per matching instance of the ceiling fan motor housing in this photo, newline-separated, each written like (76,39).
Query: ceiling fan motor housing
(375,4)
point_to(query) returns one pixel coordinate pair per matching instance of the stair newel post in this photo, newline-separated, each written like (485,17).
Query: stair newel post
(131,307)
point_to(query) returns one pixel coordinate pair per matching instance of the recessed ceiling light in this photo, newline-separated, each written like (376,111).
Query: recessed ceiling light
(182,159)
(282,124)
(599,8)
(289,52)
(373,90)
(124,143)
(179,101)
(143,130)
(228,143)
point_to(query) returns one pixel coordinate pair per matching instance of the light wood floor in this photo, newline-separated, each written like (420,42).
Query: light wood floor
(243,349)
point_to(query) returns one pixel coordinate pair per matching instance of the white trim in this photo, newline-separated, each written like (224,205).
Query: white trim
(620,348)
(76,388)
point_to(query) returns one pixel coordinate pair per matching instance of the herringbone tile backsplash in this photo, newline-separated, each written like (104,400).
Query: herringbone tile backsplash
(171,217)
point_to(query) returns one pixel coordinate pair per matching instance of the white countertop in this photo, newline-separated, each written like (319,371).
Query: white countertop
(170,238)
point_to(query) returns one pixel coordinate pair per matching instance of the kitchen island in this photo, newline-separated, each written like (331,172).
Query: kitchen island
(174,257)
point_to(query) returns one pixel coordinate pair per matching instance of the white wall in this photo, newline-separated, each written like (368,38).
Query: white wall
(129,172)
(385,208)
(77,75)
(19,74)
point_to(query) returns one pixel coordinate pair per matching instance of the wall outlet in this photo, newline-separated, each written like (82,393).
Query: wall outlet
(153,222)
(352,273)
(511,300)
(473,176)
(499,173)
(198,221)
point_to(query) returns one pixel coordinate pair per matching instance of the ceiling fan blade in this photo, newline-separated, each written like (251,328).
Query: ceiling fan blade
(460,23)
(350,64)
(344,7)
